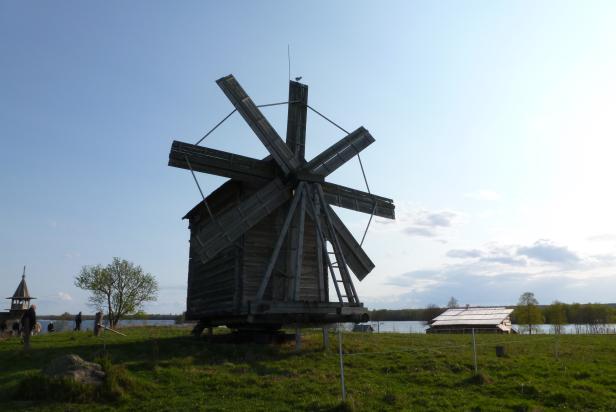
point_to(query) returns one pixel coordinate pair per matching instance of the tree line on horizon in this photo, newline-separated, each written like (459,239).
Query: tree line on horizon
(528,312)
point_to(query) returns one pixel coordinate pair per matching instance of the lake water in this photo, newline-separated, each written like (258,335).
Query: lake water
(68,325)
(420,327)
(384,326)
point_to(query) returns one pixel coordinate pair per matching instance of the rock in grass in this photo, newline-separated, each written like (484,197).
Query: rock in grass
(73,367)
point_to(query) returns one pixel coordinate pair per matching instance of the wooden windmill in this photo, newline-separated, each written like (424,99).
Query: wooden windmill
(266,245)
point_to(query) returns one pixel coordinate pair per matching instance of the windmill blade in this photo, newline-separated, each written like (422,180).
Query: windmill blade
(355,257)
(221,232)
(348,198)
(217,162)
(296,119)
(259,124)
(357,260)
(340,152)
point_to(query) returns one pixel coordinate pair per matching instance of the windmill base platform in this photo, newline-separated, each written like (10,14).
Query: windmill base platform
(272,316)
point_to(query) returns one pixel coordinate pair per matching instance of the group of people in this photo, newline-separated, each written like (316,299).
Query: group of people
(27,323)
(28,326)
(52,328)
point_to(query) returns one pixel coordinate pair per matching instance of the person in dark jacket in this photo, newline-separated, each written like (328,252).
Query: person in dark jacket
(30,315)
(78,322)
(15,328)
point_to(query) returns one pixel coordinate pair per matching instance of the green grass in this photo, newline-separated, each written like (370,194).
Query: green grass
(161,368)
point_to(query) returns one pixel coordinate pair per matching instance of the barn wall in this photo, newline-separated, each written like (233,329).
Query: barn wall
(231,280)
(214,285)
(258,248)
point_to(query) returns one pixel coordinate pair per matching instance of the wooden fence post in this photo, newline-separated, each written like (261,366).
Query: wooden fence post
(325,338)
(26,333)
(341,364)
(474,351)
(298,338)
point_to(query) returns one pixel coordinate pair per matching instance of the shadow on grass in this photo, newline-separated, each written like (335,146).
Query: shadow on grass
(141,353)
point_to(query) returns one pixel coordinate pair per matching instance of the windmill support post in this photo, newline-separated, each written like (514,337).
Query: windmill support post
(298,338)
(283,233)
(322,242)
(325,330)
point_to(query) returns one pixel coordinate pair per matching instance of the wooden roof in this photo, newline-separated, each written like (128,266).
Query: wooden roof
(22,290)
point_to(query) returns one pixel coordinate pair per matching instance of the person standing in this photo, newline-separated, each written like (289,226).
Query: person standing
(78,322)
(28,321)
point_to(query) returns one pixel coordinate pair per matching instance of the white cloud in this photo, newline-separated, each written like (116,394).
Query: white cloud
(464,253)
(413,221)
(605,237)
(64,296)
(419,231)
(442,218)
(546,251)
(484,195)
(499,273)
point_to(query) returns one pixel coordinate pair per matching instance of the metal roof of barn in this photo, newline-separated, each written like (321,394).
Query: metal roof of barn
(472,316)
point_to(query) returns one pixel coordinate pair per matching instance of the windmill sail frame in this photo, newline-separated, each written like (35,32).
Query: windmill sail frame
(266,246)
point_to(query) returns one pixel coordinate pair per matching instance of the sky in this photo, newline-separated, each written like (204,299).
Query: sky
(494,124)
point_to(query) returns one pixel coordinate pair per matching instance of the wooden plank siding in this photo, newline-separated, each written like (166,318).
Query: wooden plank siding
(228,282)
(211,285)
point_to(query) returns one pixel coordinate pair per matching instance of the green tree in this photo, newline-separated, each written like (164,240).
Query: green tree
(121,286)
(431,311)
(556,315)
(453,303)
(527,311)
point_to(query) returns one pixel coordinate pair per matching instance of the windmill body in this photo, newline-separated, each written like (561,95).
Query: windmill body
(266,247)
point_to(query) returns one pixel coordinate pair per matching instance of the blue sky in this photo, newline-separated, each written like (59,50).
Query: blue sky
(493,123)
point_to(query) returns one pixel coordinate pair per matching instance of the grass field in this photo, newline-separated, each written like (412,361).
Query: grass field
(163,368)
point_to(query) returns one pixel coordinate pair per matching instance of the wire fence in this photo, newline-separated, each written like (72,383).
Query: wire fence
(476,347)
(421,327)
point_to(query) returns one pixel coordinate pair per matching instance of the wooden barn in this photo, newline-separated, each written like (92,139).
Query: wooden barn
(266,247)
(464,320)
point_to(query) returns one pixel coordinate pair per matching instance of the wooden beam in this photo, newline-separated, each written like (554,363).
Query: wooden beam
(220,163)
(314,213)
(259,124)
(357,200)
(296,119)
(340,153)
(320,264)
(231,224)
(347,282)
(299,253)
(278,245)
(356,257)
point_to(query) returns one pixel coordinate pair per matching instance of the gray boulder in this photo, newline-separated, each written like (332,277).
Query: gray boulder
(73,367)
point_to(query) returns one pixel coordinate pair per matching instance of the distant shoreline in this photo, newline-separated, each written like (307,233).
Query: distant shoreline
(126,317)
